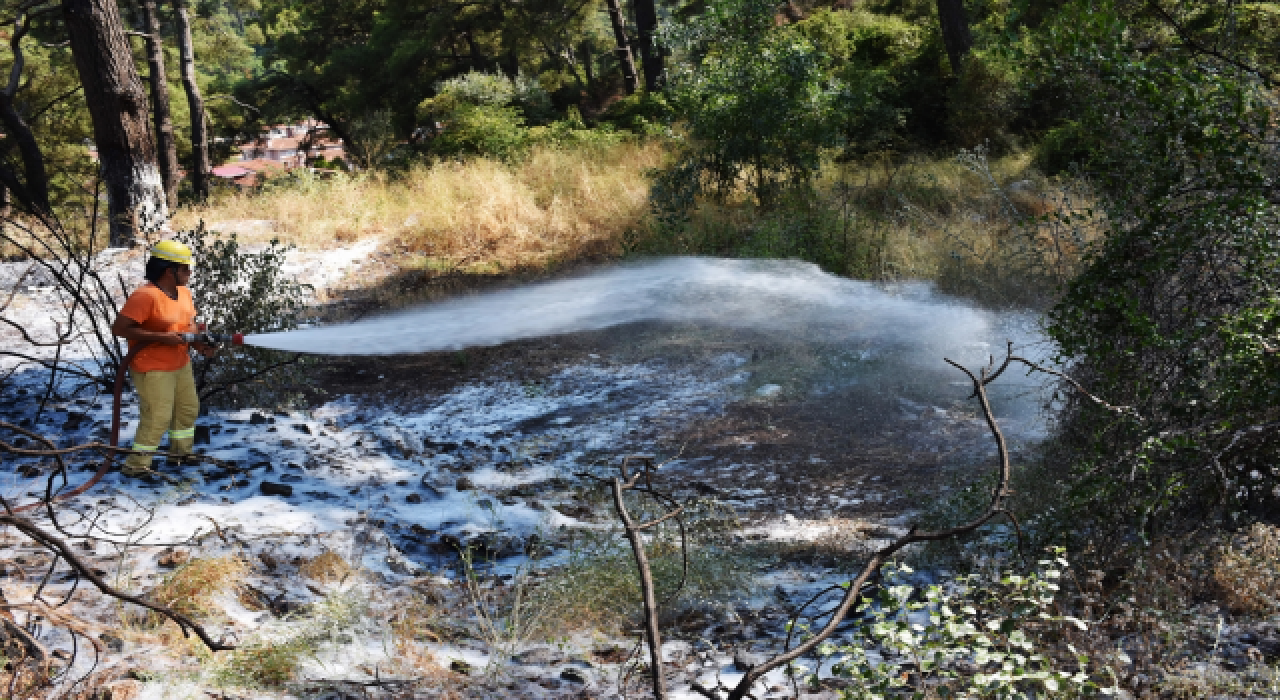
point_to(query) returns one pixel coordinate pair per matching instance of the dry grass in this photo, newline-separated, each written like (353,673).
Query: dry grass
(326,567)
(976,226)
(1175,607)
(192,588)
(1246,571)
(556,204)
(970,224)
(408,630)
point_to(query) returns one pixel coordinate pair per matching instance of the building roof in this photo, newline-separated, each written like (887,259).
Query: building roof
(258,165)
(229,171)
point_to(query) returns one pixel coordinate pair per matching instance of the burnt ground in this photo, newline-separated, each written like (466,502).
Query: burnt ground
(818,449)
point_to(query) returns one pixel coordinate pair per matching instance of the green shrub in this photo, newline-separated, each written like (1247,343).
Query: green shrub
(1177,312)
(573,134)
(975,637)
(760,106)
(483,130)
(983,103)
(642,113)
(859,36)
(483,114)
(1062,148)
(238,291)
(493,89)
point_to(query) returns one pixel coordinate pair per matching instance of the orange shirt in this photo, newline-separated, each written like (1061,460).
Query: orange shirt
(155,311)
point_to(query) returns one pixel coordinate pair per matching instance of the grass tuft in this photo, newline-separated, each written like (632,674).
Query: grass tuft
(192,588)
(326,567)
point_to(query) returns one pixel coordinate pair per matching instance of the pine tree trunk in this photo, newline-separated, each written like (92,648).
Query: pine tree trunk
(955,32)
(624,46)
(35,191)
(166,146)
(199,134)
(118,109)
(588,64)
(650,55)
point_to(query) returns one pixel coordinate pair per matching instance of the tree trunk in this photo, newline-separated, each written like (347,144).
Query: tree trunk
(35,193)
(588,64)
(118,109)
(199,134)
(624,46)
(955,32)
(166,146)
(36,188)
(650,55)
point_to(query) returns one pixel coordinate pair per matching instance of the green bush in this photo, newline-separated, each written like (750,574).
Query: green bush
(760,105)
(983,103)
(238,291)
(483,130)
(1176,314)
(493,89)
(483,114)
(976,637)
(642,113)
(859,36)
(1062,148)
(572,133)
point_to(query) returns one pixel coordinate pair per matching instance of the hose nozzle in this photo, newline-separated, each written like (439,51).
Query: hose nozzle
(204,336)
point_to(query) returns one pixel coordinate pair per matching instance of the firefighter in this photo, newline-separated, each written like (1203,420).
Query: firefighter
(156,313)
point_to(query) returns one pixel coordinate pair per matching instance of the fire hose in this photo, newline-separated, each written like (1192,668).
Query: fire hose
(201,336)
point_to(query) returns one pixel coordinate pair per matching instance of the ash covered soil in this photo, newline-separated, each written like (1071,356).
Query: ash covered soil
(823,449)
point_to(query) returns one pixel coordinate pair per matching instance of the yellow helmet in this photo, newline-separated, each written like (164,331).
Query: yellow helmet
(172,251)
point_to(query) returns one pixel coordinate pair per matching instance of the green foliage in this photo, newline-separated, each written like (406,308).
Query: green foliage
(239,291)
(759,101)
(573,134)
(340,59)
(481,130)
(372,138)
(1176,311)
(497,90)
(485,114)
(1062,148)
(972,638)
(984,101)
(643,113)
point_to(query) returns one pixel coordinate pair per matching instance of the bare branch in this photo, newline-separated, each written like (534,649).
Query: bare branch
(853,591)
(233,100)
(62,340)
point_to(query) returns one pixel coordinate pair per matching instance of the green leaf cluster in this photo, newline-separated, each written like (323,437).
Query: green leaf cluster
(241,290)
(974,637)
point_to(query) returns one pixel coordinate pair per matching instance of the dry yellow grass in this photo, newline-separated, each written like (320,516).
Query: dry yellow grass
(554,205)
(191,589)
(326,567)
(967,223)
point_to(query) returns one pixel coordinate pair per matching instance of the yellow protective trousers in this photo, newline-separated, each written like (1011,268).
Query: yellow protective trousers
(167,403)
